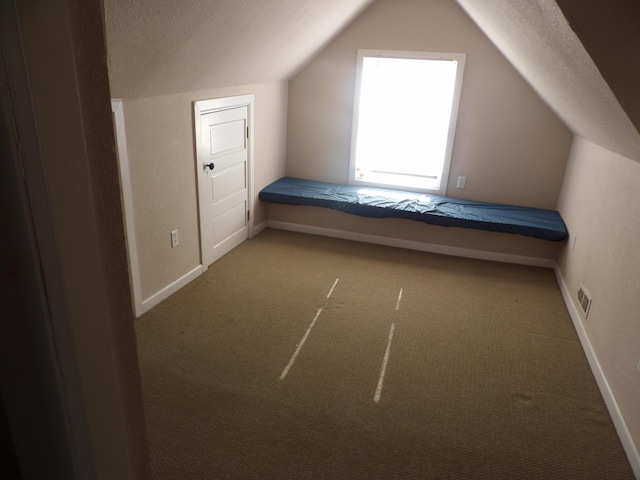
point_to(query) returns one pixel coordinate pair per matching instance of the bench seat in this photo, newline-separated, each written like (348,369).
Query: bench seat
(432,209)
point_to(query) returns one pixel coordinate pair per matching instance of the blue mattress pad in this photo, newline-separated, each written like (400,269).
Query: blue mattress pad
(427,208)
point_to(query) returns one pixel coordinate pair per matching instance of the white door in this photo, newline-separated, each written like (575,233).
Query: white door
(223,180)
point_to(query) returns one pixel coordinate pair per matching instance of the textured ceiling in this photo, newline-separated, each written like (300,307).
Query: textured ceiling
(537,39)
(609,31)
(158,47)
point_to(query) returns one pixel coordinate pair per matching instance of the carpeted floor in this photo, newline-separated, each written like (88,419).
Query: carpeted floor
(303,357)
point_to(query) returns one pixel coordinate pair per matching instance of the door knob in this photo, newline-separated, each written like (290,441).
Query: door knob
(210,165)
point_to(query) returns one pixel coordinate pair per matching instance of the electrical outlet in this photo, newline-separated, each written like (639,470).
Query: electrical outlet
(174,239)
(462,182)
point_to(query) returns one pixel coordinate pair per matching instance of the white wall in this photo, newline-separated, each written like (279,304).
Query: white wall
(600,203)
(161,155)
(511,147)
(71,174)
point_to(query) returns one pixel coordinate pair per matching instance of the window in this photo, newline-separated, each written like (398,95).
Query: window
(405,112)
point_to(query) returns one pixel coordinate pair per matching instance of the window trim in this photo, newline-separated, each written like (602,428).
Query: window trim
(444,176)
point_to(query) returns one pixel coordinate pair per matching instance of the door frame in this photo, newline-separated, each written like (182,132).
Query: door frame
(203,107)
(117,110)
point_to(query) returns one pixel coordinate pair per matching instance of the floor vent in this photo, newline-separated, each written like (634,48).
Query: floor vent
(584,298)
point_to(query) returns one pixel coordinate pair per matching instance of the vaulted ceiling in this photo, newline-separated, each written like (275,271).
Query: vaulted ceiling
(158,47)
(609,31)
(586,68)
(538,40)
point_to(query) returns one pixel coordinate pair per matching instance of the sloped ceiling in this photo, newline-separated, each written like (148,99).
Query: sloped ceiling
(609,31)
(159,47)
(538,40)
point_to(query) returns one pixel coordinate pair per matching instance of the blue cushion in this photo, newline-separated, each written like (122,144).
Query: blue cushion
(432,209)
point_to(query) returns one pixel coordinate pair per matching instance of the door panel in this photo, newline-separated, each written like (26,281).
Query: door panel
(227,137)
(231,180)
(228,223)
(228,203)
(223,188)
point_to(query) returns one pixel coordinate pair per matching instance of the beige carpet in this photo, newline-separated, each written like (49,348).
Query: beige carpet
(302,357)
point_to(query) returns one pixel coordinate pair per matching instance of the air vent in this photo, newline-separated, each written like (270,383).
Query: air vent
(584,298)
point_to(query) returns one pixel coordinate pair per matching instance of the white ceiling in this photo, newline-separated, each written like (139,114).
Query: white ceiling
(537,39)
(159,47)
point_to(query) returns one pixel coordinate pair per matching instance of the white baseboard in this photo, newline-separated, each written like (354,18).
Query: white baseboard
(624,434)
(413,245)
(258,228)
(170,289)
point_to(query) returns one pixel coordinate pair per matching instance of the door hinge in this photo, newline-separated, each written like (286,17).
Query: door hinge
(247,132)
(248,215)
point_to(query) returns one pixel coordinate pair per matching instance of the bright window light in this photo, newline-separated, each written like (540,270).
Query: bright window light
(404,119)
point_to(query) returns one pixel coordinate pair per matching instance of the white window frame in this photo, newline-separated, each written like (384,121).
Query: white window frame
(440,185)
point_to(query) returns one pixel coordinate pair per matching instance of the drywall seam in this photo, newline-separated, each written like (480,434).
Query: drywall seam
(624,434)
